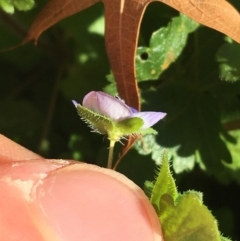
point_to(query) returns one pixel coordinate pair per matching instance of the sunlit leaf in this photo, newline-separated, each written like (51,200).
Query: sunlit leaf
(165,46)
(148,145)
(183,216)
(9,6)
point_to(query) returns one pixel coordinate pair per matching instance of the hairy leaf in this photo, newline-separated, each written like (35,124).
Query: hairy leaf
(183,216)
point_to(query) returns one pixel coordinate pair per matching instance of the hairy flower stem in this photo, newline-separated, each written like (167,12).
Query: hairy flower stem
(110,154)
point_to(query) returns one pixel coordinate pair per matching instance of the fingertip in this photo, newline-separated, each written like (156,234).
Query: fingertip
(98,203)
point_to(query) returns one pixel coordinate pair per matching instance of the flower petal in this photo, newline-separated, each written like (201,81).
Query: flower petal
(75,103)
(134,110)
(149,118)
(107,105)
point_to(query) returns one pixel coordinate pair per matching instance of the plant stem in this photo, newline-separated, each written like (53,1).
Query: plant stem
(110,154)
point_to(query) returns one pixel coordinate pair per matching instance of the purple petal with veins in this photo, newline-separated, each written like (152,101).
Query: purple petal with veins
(149,118)
(107,105)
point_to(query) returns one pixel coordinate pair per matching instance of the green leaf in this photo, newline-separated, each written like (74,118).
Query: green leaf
(183,216)
(148,145)
(192,115)
(166,45)
(229,64)
(187,219)
(97,26)
(6,6)
(164,185)
(22,5)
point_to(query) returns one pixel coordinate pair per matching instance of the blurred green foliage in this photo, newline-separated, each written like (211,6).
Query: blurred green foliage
(198,88)
(9,6)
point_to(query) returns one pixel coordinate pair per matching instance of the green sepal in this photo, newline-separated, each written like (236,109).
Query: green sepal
(130,125)
(125,127)
(225,239)
(97,122)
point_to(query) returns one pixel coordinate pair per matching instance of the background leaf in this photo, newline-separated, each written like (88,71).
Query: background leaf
(10,5)
(153,60)
(228,57)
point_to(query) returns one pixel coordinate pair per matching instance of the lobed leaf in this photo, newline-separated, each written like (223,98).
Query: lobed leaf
(166,45)
(183,216)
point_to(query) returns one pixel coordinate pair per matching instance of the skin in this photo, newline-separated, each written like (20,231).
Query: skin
(44,199)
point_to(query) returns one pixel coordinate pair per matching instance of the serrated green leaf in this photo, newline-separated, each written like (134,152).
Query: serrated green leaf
(203,126)
(181,164)
(148,145)
(183,216)
(164,185)
(187,219)
(229,64)
(166,45)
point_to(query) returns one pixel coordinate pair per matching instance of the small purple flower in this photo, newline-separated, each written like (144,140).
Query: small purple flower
(117,110)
